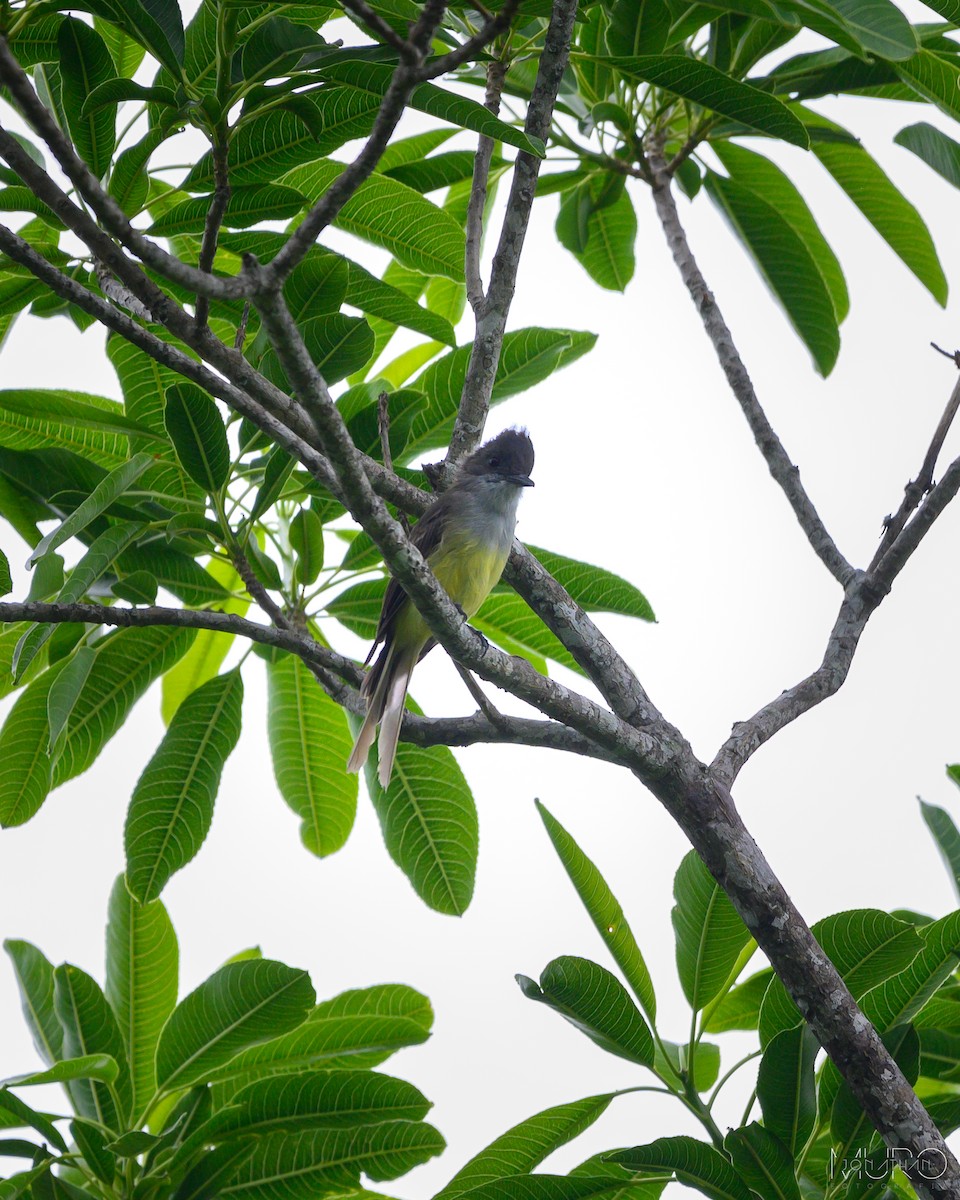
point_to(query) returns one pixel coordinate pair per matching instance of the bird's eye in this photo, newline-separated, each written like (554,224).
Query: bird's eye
(494,461)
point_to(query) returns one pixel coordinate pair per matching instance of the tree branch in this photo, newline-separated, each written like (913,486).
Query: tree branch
(777,460)
(378,26)
(492,320)
(496,72)
(211,228)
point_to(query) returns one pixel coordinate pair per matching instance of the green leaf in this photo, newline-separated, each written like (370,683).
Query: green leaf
(526,1145)
(528,356)
(91,426)
(709,932)
(945,834)
(884,206)
(205,1180)
(638,27)
(740,1007)
(92,1142)
(866,946)
(934,147)
(878,27)
(172,805)
(127,663)
(900,996)
(510,622)
(64,692)
(359,1028)
(271,143)
(240,1005)
(85,64)
(604,246)
(761,176)
(595,589)
(786,1088)
(36,41)
(210,647)
(89,1027)
(597,1003)
(429,825)
(396,218)
(705,85)
(247,206)
(24,760)
(155,24)
(785,264)
(114,91)
(302,1165)
(110,489)
(127,54)
(440,171)
(309,743)
(763,1162)
(129,186)
(374,79)
(565,1187)
(275,49)
(6,581)
(34,975)
(141,983)
(934,76)
(695,1164)
(99,1067)
(23,1114)
(379,299)
(605,912)
(198,435)
(939,1053)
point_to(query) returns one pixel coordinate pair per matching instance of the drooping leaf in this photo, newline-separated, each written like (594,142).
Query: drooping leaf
(141,981)
(710,934)
(156,24)
(946,835)
(85,64)
(240,1005)
(597,1003)
(937,150)
(92,1143)
(309,743)
(172,804)
(785,264)
(605,912)
(763,1162)
(198,435)
(24,758)
(22,1114)
(99,1067)
(91,426)
(696,1164)
(64,693)
(34,975)
(786,1088)
(600,236)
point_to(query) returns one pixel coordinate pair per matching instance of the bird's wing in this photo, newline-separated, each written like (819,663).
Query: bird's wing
(426,536)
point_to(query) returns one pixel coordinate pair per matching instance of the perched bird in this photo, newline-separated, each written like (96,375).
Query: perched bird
(465,536)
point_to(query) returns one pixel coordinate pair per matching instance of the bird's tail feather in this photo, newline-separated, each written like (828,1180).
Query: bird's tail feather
(385,689)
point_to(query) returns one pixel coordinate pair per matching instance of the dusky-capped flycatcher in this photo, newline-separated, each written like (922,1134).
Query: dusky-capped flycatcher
(465,536)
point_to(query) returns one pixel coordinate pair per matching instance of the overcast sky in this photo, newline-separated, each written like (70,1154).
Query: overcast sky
(644,466)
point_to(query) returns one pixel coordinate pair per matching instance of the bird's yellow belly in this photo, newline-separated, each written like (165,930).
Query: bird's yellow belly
(468,572)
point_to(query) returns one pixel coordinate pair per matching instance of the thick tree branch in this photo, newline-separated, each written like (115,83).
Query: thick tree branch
(777,460)
(492,319)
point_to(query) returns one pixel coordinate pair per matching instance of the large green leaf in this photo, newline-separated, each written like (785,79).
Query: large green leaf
(302,1165)
(760,175)
(705,85)
(710,934)
(934,76)
(638,27)
(90,1027)
(91,426)
(141,982)
(85,63)
(99,1067)
(945,834)
(763,1161)
(884,206)
(937,150)
(196,429)
(597,1003)
(359,1028)
(605,912)
(695,1164)
(240,1005)
(785,263)
(394,217)
(247,206)
(866,946)
(34,975)
(25,769)
(786,1088)
(379,299)
(527,357)
(526,1145)
(309,743)
(155,24)
(429,824)
(271,143)
(595,589)
(127,663)
(900,996)
(172,805)
(608,1181)
(600,235)
(374,79)
(876,27)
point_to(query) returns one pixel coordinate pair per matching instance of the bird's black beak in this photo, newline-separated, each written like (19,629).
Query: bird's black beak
(521,480)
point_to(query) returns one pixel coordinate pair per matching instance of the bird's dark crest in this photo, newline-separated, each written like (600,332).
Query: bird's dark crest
(509,453)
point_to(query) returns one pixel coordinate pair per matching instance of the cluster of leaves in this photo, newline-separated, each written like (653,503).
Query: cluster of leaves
(811,1138)
(692,80)
(246,1087)
(164,495)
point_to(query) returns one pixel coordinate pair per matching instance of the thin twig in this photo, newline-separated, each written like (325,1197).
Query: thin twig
(496,73)
(489,710)
(377,25)
(776,458)
(492,28)
(211,227)
(383,428)
(241,335)
(917,488)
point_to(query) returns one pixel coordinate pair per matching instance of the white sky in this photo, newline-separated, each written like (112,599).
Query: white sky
(644,466)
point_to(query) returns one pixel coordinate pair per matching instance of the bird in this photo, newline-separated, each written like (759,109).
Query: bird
(466,536)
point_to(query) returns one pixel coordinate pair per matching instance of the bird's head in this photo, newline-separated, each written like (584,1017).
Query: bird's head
(508,458)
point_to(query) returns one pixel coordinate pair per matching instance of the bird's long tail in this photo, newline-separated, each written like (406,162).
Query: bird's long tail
(385,689)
